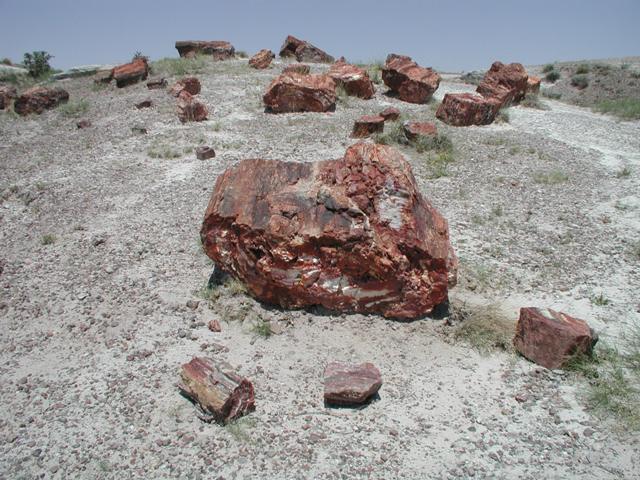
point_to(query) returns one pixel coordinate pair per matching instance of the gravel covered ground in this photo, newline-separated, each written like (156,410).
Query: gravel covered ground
(100,255)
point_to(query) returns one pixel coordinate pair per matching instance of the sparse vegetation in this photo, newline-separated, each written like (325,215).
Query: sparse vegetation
(582,69)
(503,116)
(180,66)
(625,172)
(37,63)
(626,108)
(551,95)
(531,100)
(48,239)
(262,329)
(164,151)
(74,108)
(6,61)
(580,81)
(240,428)
(600,300)
(548,68)
(242,54)
(342,96)
(552,76)
(485,328)
(553,177)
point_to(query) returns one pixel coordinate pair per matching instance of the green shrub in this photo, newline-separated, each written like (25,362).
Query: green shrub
(553,177)
(37,63)
(582,69)
(6,61)
(531,100)
(551,95)
(180,66)
(552,76)
(580,81)
(625,108)
(242,54)
(74,108)
(548,68)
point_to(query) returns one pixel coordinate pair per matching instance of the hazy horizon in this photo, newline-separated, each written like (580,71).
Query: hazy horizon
(456,36)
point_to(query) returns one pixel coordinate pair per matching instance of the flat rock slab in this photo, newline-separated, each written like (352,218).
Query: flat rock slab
(551,338)
(367,125)
(415,130)
(353,234)
(349,385)
(218,49)
(130,73)
(217,389)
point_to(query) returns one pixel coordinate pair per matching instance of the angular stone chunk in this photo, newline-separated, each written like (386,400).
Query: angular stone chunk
(190,109)
(294,92)
(464,109)
(414,130)
(157,84)
(353,234)
(367,125)
(354,80)
(507,83)
(205,153)
(262,59)
(347,384)
(217,389)
(551,338)
(392,114)
(188,84)
(304,51)
(218,49)
(130,73)
(411,82)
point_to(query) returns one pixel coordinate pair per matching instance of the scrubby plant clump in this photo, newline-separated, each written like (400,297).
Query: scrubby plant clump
(37,63)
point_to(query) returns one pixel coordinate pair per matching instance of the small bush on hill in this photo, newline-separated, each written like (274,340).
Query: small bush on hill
(37,63)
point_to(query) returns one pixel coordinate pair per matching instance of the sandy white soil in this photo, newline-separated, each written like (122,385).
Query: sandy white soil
(94,327)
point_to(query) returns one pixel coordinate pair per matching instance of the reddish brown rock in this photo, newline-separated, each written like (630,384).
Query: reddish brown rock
(352,234)
(205,153)
(130,73)
(507,83)
(190,109)
(367,125)
(297,68)
(464,109)
(303,51)
(354,80)
(533,85)
(217,389)
(262,59)
(214,326)
(189,84)
(7,95)
(218,49)
(347,384)
(551,338)
(144,104)
(83,124)
(390,113)
(293,92)
(39,99)
(157,84)
(414,130)
(408,80)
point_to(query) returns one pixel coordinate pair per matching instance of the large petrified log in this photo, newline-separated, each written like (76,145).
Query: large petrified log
(217,389)
(551,338)
(411,82)
(39,99)
(303,51)
(353,79)
(218,49)
(507,83)
(464,109)
(130,73)
(352,234)
(295,92)
(346,384)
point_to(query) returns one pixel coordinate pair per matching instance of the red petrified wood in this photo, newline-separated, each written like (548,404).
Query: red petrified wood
(551,338)
(294,92)
(352,234)
(413,130)
(408,80)
(346,384)
(7,94)
(190,109)
(157,84)
(367,125)
(218,49)
(217,389)
(262,59)
(507,83)
(354,80)
(205,153)
(464,109)
(303,51)
(189,84)
(39,99)
(390,113)
(130,73)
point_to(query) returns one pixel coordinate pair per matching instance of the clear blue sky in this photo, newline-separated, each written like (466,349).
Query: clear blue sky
(449,35)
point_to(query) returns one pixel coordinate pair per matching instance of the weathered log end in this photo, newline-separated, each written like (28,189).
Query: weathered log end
(217,389)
